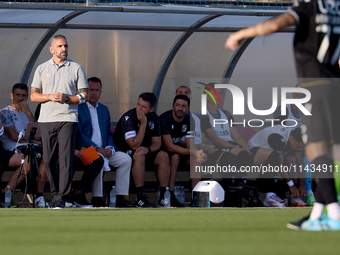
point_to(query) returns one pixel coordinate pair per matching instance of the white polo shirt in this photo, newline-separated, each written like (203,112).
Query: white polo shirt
(67,78)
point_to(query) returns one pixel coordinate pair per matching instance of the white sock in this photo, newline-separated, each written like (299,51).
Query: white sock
(269,194)
(333,211)
(310,192)
(317,211)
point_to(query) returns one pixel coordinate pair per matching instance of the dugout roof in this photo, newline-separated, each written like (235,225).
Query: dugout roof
(134,49)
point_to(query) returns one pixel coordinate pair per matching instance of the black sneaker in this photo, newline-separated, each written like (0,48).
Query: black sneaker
(142,201)
(175,203)
(123,203)
(98,202)
(80,201)
(59,204)
(296,225)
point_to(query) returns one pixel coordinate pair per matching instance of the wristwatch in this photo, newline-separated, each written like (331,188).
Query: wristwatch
(67,99)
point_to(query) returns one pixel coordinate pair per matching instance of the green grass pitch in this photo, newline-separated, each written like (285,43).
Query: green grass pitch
(160,231)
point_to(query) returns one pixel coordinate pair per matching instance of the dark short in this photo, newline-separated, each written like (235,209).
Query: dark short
(149,158)
(227,149)
(183,160)
(212,158)
(254,150)
(37,149)
(5,157)
(324,123)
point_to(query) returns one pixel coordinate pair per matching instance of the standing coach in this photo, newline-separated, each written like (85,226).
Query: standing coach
(60,85)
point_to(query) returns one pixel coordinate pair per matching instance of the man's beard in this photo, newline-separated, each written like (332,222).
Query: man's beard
(178,115)
(62,57)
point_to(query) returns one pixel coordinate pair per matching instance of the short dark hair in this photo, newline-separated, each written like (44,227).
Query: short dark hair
(183,97)
(22,86)
(296,133)
(58,37)
(95,79)
(183,87)
(149,97)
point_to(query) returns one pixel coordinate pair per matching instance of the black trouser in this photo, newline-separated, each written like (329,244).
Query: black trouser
(91,172)
(325,191)
(58,139)
(325,188)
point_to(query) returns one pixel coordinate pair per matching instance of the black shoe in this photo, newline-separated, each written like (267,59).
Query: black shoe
(122,202)
(142,201)
(59,204)
(175,203)
(296,225)
(98,202)
(80,201)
